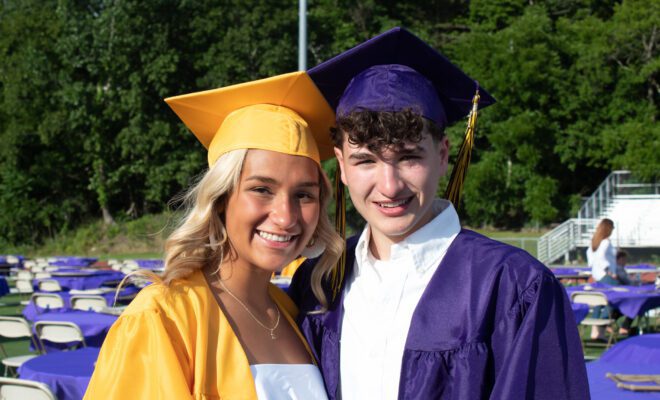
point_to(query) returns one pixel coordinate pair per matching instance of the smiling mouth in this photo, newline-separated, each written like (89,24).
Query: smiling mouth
(394,204)
(276,238)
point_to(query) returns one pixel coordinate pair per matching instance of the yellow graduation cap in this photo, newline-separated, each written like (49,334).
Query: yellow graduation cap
(284,113)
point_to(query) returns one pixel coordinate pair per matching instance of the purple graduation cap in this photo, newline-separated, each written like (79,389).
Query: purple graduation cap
(397,70)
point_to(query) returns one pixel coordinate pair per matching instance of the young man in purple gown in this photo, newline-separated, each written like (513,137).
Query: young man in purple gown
(426,310)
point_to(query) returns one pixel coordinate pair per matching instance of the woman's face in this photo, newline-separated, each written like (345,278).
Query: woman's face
(273,212)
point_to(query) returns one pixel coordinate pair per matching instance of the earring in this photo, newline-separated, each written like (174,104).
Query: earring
(313,249)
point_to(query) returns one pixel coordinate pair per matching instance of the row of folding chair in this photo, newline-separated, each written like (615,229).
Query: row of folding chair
(60,332)
(12,388)
(78,302)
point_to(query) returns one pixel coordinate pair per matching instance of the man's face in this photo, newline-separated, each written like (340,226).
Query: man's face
(394,189)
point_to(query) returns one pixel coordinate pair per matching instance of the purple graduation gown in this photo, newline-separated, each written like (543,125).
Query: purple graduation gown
(493,323)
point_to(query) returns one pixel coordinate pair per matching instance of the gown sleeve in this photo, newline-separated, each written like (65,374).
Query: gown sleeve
(536,346)
(143,357)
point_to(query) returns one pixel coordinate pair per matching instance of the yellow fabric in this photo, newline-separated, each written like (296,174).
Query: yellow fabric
(292,267)
(205,113)
(266,127)
(176,343)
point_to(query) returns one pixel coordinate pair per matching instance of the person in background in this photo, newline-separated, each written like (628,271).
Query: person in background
(601,258)
(622,278)
(425,309)
(213,326)
(601,255)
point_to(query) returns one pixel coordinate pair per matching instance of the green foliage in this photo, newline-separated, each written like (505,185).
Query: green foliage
(85,132)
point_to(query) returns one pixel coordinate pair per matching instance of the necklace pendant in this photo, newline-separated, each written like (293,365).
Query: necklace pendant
(273,336)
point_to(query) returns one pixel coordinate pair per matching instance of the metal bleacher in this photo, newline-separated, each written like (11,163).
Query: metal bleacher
(633,206)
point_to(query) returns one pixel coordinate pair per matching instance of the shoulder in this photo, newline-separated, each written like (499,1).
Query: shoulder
(179,298)
(489,257)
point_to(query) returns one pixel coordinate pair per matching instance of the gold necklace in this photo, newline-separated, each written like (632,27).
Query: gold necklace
(233,296)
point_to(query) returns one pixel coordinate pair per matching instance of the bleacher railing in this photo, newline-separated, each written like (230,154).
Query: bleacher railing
(576,232)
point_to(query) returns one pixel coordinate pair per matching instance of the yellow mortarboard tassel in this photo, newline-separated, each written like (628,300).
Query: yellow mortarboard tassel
(455,185)
(337,276)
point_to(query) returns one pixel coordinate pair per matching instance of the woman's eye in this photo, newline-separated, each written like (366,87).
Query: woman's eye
(260,190)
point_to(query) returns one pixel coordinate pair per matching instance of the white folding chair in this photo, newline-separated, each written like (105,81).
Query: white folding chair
(12,260)
(24,275)
(14,328)
(596,299)
(47,300)
(49,285)
(24,289)
(42,275)
(11,388)
(86,303)
(61,332)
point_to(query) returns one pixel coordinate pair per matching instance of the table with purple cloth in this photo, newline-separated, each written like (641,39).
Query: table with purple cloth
(31,311)
(94,326)
(636,355)
(83,280)
(4,286)
(67,373)
(151,264)
(580,311)
(73,261)
(571,272)
(632,301)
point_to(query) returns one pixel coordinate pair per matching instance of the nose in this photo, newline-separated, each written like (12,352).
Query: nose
(389,181)
(285,212)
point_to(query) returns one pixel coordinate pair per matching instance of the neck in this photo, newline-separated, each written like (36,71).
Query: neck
(380,245)
(250,284)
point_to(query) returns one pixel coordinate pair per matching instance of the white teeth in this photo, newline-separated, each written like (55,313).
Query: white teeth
(393,204)
(273,237)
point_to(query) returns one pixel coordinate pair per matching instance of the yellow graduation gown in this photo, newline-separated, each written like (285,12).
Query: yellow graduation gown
(175,343)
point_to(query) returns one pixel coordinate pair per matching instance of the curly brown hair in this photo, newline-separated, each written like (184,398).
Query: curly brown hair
(380,129)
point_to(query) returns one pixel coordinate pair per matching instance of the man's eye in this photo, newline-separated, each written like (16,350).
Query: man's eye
(363,162)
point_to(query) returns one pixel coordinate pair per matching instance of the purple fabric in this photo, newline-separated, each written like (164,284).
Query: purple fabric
(580,311)
(83,280)
(67,373)
(392,87)
(31,311)
(492,323)
(571,272)
(150,264)
(636,355)
(398,46)
(4,286)
(94,326)
(635,301)
(649,267)
(73,261)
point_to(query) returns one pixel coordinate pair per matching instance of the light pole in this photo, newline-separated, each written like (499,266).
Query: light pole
(302,35)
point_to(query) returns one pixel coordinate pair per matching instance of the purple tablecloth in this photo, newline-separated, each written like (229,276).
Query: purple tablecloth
(634,301)
(150,264)
(73,261)
(580,311)
(67,373)
(31,311)
(4,287)
(84,280)
(94,326)
(636,355)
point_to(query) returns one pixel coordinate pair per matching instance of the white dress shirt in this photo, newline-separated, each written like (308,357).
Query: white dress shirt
(379,301)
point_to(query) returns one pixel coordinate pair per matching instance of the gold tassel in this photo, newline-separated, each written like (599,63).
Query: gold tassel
(455,185)
(337,276)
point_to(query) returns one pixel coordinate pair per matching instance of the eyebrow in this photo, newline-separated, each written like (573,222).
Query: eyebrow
(268,180)
(401,151)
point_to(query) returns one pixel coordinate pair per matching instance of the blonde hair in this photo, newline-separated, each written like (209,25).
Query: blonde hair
(603,231)
(200,240)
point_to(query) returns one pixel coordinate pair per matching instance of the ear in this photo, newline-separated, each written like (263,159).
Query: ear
(442,147)
(340,163)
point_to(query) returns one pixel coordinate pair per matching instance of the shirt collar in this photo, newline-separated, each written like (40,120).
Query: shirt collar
(426,245)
